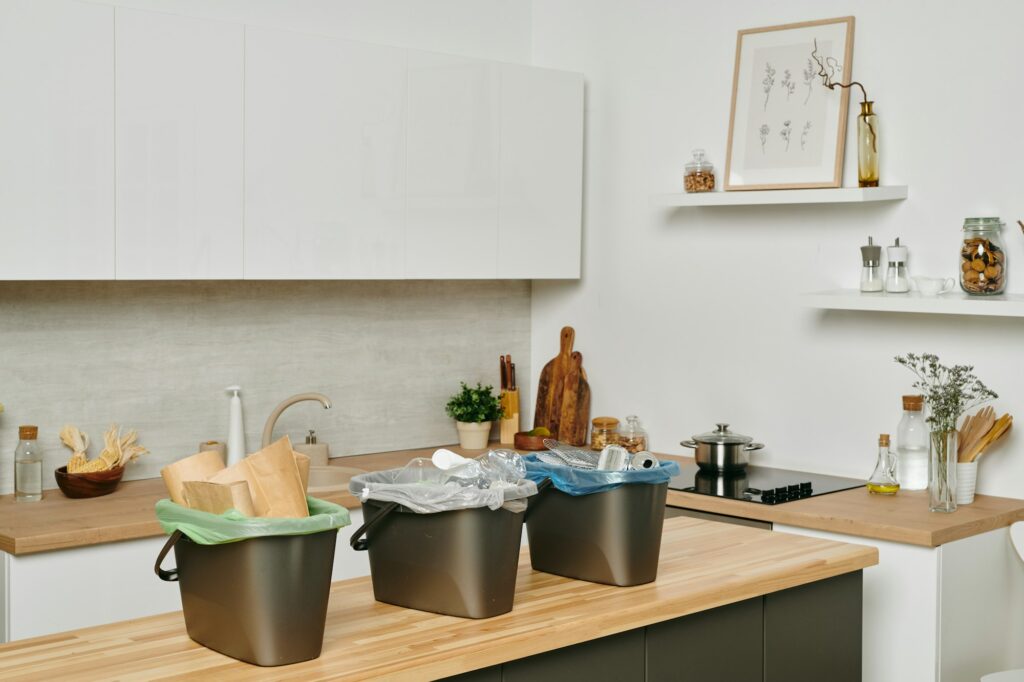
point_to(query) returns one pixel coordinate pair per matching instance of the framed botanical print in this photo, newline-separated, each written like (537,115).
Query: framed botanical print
(786,129)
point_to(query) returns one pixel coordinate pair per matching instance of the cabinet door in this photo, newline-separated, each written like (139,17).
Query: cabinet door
(56,140)
(452,214)
(179,147)
(725,644)
(616,658)
(541,187)
(325,157)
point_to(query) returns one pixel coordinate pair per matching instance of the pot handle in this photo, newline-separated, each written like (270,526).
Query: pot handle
(689,444)
(752,446)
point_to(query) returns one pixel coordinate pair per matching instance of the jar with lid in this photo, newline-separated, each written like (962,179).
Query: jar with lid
(912,442)
(633,437)
(982,257)
(700,174)
(28,466)
(604,432)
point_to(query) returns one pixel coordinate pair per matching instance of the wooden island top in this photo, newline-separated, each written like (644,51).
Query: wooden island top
(703,565)
(58,522)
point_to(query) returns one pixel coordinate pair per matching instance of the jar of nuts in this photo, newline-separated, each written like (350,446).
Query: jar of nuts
(605,431)
(633,437)
(700,174)
(982,258)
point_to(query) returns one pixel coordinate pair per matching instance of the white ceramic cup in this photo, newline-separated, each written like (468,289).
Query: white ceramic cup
(966,481)
(933,286)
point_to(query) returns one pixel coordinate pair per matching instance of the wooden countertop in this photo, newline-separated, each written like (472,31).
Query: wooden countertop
(903,517)
(703,565)
(59,522)
(62,523)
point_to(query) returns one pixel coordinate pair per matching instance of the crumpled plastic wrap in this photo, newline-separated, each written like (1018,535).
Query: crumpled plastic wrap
(576,481)
(496,479)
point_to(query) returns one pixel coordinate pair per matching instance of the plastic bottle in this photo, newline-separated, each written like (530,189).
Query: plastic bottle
(236,430)
(912,445)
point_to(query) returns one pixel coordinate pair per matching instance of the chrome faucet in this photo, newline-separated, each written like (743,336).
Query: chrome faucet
(268,428)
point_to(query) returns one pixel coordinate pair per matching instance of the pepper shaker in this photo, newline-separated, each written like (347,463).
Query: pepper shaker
(896,280)
(870,273)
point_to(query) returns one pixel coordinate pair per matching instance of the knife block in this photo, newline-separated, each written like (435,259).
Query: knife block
(509,422)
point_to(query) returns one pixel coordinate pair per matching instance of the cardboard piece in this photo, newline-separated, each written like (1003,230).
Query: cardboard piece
(218,498)
(302,463)
(275,484)
(198,467)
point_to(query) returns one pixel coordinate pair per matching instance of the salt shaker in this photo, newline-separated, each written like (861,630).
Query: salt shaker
(870,273)
(896,280)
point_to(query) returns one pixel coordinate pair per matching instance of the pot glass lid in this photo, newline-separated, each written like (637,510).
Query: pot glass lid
(723,435)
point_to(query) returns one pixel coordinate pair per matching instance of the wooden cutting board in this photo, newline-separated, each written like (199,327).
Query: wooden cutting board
(563,394)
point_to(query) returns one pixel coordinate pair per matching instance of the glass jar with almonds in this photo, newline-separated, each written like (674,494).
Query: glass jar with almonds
(605,432)
(982,257)
(633,437)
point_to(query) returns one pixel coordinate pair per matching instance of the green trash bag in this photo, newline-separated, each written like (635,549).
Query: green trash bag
(205,528)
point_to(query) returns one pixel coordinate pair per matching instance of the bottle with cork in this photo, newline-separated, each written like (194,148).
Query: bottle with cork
(28,466)
(883,479)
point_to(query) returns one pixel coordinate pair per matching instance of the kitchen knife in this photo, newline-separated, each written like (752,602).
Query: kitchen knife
(504,380)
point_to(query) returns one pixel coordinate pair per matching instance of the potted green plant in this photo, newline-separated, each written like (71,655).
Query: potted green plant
(473,410)
(949,392)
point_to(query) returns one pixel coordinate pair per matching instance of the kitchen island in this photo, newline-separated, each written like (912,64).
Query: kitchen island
(749,603)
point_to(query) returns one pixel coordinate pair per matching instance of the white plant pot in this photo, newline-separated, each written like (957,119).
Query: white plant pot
(966,481)
(473,436)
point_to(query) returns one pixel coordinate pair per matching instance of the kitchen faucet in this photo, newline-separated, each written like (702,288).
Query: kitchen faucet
(268,428)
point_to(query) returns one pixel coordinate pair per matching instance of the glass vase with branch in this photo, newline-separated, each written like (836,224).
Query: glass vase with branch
(949,392)
(830,71)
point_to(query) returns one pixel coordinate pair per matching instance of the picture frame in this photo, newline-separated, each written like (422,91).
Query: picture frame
(786,129)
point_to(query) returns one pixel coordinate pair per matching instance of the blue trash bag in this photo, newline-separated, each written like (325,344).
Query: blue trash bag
(589,481)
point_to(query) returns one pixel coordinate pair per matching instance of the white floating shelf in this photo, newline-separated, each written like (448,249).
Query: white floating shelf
(953,303)
(839,195)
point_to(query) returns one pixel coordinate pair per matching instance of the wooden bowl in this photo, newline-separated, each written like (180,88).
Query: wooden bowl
(524,441)
(94,484)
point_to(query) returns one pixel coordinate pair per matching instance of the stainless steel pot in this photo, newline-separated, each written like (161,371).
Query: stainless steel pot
(721,449)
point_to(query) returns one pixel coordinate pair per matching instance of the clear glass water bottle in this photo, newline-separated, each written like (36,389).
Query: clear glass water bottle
(912,445)
(28,466)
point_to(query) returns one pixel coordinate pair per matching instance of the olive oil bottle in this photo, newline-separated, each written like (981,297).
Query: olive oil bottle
(883,480)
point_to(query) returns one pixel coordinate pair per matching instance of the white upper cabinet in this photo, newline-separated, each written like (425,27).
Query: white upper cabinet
(179,147)
(325,158)
(56,140)
(541,173)
(453,166)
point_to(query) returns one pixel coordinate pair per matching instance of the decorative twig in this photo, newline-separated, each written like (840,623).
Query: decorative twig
(827,69)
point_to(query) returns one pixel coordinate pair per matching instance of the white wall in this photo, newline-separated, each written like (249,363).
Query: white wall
(691,317)
(487,29)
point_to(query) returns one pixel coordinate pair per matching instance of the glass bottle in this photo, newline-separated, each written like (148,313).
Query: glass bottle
(870,272)
(867,146)
(942,470)
(28,466)
(883,479)
(912,445)
(700,174)
(605,432)
(982,257)
(896,280)
(633,437)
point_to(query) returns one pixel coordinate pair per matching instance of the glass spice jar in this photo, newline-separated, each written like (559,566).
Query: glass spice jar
(605,431)
(633,437)
(700,174)
(982,257)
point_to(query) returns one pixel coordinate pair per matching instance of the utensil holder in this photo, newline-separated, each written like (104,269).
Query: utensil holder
(510,420)
(966,481)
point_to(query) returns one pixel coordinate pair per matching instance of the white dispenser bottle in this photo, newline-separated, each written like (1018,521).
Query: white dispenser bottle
(236,431)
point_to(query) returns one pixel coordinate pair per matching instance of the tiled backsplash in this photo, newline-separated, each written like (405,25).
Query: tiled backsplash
(156,356)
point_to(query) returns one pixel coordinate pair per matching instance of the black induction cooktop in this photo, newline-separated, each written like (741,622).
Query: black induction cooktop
(762,485)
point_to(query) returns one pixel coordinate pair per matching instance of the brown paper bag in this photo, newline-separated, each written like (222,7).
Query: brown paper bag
(217,498)
(198,467)
(274,481)
(302,463)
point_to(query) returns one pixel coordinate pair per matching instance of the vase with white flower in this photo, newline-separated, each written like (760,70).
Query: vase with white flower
(949,392)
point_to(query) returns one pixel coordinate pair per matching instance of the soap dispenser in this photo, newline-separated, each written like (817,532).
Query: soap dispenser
(317,452)
(236,430)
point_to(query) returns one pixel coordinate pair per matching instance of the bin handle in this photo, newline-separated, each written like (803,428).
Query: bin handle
(170,576)
(546,483)
(357,541)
